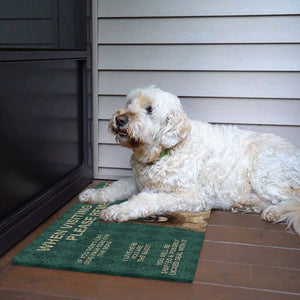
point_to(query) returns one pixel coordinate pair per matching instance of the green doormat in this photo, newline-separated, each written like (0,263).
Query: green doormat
(79,241)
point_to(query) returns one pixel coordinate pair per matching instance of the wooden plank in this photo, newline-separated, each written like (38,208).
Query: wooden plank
(259,237)
(276,279)
(162,8)
(200,57)
(12,295)
(251,221)
(253,255)
(97,286)
(272,29)
(224,110)
(205,84)
(247,275)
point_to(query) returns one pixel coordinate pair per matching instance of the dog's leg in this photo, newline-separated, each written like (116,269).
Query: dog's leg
(149,203)
(287,211)
(118,190)
(251,204)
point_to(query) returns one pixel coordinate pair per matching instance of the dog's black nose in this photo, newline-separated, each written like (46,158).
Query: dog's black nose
(121,120)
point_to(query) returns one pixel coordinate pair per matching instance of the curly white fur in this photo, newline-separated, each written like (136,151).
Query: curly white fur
(208,166)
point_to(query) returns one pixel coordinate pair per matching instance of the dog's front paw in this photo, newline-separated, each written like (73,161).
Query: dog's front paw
(89,195)
(271,214)
(92,196)
(118,213)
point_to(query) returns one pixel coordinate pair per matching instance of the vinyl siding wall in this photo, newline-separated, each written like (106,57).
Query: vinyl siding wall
(234,62)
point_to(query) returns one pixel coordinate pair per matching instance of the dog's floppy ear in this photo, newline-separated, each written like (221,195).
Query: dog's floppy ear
(176,129)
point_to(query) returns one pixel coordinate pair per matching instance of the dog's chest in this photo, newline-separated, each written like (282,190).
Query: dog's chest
(161,177)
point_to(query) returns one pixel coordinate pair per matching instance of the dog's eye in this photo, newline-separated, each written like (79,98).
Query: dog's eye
(149,109)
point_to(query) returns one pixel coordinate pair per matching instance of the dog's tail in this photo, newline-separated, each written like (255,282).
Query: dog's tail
(292,216)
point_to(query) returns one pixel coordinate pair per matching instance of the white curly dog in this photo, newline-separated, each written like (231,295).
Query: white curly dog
(181,165)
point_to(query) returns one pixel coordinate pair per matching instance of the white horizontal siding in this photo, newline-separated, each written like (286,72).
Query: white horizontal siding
(164,8)
(112,173)
(223,110)
(271,29)
(234,62)
(257,57)
(205,84)
(290,132)
(114,156)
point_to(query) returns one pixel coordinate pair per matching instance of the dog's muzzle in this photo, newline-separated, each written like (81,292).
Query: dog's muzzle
(119,125)
(121,121)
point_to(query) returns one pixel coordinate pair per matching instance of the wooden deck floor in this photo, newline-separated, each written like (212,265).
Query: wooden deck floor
(242,257)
